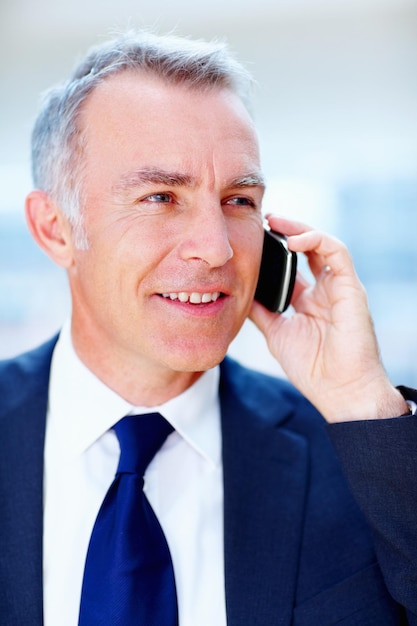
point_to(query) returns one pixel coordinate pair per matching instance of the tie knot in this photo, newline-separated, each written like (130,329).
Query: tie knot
(140,437)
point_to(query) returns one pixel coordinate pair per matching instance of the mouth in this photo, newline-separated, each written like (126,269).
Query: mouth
(193,297)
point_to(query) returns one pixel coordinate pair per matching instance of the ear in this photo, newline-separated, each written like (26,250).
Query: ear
(49,227)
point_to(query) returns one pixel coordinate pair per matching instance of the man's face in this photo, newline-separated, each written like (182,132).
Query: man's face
(173,192)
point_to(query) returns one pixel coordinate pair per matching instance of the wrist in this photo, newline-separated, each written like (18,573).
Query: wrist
(380,403)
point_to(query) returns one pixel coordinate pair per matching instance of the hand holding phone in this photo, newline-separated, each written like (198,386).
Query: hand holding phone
(277,273)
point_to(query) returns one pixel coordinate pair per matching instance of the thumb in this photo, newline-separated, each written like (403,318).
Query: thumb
(264,319)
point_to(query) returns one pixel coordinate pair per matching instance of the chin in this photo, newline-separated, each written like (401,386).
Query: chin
(196,359)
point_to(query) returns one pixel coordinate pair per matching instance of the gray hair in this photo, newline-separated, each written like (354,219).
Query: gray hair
(58,139)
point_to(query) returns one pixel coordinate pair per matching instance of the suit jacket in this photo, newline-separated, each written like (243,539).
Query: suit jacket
(297,549)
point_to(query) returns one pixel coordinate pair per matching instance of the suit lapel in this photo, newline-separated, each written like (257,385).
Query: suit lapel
(22,432)
(265,469)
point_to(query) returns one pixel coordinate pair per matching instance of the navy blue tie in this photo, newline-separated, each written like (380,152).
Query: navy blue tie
(128,576)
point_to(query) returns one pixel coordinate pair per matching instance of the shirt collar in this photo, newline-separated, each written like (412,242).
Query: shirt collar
(195,415)
(82,408)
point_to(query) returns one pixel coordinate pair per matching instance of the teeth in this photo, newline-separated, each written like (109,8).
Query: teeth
(193,298)
(196,298)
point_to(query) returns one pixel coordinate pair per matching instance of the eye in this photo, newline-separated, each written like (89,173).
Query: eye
(241,201)
(160,198)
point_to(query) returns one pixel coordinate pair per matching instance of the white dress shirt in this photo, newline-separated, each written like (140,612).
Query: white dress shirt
(183,483)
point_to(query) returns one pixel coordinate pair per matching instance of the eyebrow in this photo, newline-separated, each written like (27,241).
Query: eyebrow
(249,180)
(151,176)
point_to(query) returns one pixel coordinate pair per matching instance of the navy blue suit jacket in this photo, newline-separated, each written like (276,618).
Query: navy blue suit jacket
(297,549)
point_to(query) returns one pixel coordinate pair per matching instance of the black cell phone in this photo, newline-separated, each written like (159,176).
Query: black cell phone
(277,273)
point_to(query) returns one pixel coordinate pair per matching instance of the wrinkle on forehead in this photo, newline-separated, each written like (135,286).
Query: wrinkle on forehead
(144,133)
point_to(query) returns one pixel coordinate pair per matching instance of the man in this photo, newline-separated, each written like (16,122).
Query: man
(149,193)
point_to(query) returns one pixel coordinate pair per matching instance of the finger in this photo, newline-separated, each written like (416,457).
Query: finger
(317,246)
(322,251)
(301,283)
(262,318)
(286,226)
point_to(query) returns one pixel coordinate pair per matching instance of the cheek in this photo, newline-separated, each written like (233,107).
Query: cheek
(118,259)
(100,270)
(248,252)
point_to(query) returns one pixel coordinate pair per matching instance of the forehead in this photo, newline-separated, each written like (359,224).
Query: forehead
(134,112)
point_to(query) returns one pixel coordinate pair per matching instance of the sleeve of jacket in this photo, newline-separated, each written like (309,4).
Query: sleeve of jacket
(379,458)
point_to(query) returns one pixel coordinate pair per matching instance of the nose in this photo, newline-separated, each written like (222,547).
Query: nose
(207,238)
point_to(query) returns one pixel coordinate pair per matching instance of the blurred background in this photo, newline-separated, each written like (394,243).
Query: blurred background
(336,109)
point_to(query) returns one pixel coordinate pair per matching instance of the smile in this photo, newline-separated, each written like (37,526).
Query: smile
(194,297)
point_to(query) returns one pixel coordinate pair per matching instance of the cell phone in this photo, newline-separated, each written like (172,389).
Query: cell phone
(277,273)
